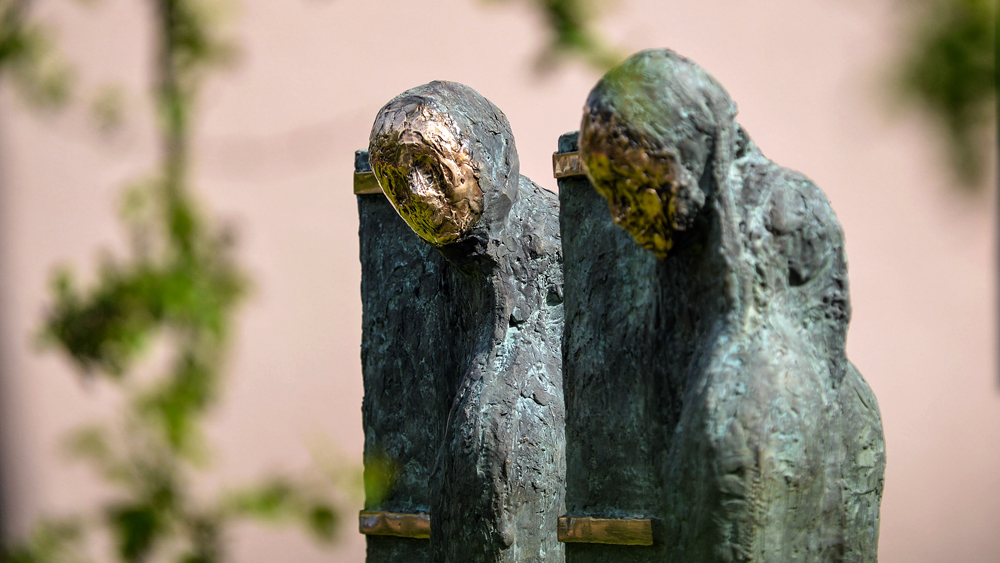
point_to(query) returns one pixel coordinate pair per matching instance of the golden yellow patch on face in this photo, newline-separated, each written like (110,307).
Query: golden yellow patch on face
(649,192)
(428,175)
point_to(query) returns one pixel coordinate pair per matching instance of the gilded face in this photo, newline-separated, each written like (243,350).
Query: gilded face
(649,191)
(427,174)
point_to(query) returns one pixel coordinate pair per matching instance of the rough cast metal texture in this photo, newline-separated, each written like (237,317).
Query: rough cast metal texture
(462,334)
(407,366)
(708,389)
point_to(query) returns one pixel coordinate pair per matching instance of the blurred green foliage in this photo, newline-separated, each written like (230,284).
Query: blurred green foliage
(380,476)
(28,58)
(179,287)
(180,284)
(571,24)
(949,68)
(51,542)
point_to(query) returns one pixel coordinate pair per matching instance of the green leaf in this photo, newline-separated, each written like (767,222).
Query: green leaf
(950,69)
(323,521)
(136,529)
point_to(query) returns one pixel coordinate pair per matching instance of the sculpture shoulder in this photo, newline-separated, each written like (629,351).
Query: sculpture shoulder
(538,197)
(799,217)
(537,214)
(798,204)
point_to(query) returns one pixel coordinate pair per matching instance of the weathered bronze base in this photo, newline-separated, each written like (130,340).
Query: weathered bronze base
(618,531)
(395,524)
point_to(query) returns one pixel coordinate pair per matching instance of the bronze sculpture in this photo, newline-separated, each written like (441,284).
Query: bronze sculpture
(718,358)
(462,334)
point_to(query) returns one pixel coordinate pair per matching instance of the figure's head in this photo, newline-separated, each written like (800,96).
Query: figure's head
(442,154)
(648,134)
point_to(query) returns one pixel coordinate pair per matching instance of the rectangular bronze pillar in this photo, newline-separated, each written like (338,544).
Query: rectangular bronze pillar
(402,414)
(610,304)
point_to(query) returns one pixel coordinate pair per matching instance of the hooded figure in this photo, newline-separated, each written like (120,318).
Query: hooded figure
(445,158)
(770,441)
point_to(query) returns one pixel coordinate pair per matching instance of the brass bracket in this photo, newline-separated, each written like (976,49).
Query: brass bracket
(366,183)
(617,531)
(566,164)
(395,524)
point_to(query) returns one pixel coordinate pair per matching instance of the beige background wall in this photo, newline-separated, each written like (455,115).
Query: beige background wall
(274,154)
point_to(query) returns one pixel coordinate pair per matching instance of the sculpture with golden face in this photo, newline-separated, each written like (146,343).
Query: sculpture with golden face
(472,342)
(768,442)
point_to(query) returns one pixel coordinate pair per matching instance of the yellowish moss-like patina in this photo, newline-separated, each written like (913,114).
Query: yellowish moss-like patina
(650,193)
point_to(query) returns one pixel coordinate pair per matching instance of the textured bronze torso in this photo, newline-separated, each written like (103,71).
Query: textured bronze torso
(462,334)
(706,382)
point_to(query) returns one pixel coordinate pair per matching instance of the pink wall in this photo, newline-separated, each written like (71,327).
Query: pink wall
(274,154)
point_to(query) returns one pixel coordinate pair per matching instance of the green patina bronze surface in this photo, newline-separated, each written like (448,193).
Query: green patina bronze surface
(461,335)
(706,381)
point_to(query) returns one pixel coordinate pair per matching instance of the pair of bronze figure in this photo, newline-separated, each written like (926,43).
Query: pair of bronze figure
(539,387)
